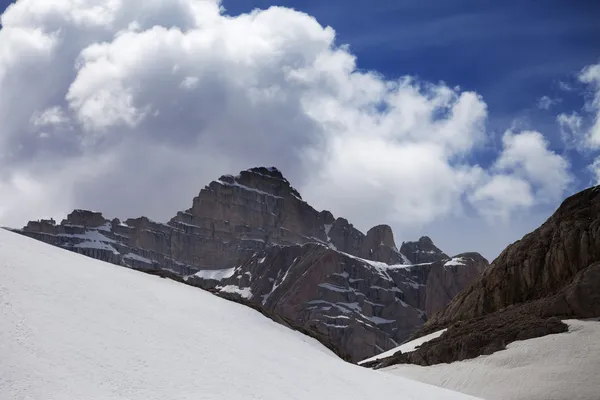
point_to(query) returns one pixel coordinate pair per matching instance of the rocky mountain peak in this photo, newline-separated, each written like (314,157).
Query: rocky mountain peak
(251,236)
(85,218)
(268,180)
(422,251)
(382,235)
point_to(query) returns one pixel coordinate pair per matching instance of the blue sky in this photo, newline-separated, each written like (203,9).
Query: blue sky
(454,188)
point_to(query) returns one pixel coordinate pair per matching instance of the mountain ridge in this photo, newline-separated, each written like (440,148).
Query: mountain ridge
(237,221)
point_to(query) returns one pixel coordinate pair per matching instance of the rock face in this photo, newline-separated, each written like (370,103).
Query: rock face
(251,237)
(475,337)
(557,262)
(422,251)
(551,273)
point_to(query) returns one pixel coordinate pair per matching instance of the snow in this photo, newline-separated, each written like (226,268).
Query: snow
(96,245)
(381,267)
(137,257)
(334,288)
(91,235)
(248,188)
(215,274)
(246,293)
(553,367)
(378,320)
(406,347)
(329,242)
(344,275)
(107,227)
(455,261)
(72,327)
(392,289)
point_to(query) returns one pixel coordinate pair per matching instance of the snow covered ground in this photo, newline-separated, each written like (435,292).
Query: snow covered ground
(406,347)
(564,366)
(72,327)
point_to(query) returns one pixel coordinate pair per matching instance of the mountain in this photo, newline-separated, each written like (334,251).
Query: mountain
(77,328)
(550,274)
(554,269)
(253,239)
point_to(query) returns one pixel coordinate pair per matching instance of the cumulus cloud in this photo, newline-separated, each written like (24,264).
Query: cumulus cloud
(131,107)
(526,155)
(590,75)
(525,173)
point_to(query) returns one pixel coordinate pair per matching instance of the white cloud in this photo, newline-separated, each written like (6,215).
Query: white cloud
(565,86)
(595,169)
(526,155)
(590,75)
(546,102)
(131,107)
(501,196)
(570,128)
(50,116)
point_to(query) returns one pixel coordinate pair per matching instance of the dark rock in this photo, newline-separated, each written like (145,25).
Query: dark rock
(557,259)
(422,251)
(478,336)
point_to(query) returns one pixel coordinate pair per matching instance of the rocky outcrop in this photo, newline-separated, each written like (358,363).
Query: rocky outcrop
(551,273)
(475,337)
(253,238)
(557,259)
(443,284)
(422,251)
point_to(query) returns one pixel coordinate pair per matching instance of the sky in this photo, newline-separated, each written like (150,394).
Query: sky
(466,121)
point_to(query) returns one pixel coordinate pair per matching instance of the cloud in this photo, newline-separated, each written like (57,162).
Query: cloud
(502,195)
(590,75)
(595,169)
(131,107)
(526,155)
(570,128)
(565,86)
(546,102)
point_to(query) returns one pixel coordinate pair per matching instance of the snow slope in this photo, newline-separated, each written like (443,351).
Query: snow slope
(564,366)
(72,327)
(406,347)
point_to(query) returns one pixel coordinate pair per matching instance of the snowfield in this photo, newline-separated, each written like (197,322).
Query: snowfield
(72,327)
(565,366)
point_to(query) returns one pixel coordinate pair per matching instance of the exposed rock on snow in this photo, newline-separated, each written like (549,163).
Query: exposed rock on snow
(475,337)
(404,348)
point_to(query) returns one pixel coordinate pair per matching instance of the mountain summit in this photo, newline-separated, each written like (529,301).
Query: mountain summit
(252,238)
